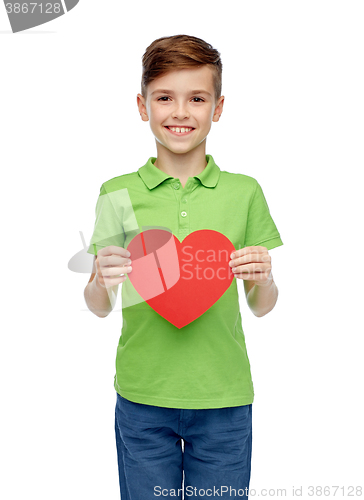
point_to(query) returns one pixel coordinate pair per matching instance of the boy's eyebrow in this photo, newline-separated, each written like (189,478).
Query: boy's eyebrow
(164,91)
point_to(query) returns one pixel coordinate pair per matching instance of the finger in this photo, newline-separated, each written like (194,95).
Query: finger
(255,248)
(242,251)
(252,268)
(114,250)
(113,260)
(109,282)
(251,257)
(247,250)
(108,272)
(256,277)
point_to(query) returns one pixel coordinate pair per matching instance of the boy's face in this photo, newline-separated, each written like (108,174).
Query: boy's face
(172,101)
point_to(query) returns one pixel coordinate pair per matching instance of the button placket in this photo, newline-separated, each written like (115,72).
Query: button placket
(184,222)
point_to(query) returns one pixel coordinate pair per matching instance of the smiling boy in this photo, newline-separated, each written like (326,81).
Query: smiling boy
(181,99)
(187,386)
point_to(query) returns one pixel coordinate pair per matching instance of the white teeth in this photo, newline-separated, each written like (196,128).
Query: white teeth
(180,130)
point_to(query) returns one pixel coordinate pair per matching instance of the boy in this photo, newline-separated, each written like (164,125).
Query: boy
(189,385)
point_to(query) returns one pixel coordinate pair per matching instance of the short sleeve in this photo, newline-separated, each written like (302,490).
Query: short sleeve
(261,229)
(108,229)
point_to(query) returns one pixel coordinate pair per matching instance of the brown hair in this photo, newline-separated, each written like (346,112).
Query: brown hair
(179,52)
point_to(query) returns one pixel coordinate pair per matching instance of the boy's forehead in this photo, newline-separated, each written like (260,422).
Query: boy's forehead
(184,80)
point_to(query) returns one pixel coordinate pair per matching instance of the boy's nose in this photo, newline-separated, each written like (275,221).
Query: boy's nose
(180,112)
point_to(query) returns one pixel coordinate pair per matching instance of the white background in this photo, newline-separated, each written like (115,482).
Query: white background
(293,83)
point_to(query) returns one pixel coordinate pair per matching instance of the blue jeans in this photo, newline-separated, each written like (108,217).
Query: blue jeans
(215,460)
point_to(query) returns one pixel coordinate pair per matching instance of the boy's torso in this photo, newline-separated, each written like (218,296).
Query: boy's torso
(205,363)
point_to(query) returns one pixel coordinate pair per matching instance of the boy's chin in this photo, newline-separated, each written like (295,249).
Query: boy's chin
(177,148)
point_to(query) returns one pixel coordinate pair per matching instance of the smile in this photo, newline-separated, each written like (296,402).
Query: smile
(180,130)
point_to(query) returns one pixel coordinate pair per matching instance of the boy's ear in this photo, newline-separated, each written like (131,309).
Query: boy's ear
(142,108)
(218,109)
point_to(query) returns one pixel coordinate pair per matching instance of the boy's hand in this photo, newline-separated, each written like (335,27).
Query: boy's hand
(253,264)
(111,261)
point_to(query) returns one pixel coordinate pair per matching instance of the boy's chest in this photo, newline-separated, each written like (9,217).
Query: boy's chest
(183,211)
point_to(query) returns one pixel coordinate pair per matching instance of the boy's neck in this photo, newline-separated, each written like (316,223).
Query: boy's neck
(181,166)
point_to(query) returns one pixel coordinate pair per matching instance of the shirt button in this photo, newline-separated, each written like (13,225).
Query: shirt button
(176,186)
(184,200)
(183,214)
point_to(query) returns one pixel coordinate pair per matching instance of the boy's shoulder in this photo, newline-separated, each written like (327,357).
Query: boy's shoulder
(238,179)
(119,182)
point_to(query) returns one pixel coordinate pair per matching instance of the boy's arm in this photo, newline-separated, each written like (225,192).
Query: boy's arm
(253,265)
(99,300)
(261,299)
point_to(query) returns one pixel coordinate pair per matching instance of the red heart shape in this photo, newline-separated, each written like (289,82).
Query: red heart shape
(180,281)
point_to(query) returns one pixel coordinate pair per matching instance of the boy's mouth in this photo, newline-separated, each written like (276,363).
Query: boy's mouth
(180,130)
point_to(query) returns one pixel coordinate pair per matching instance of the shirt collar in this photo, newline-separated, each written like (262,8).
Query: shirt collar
(152,176)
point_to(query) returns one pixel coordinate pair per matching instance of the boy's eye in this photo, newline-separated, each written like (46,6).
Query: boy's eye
(166,97)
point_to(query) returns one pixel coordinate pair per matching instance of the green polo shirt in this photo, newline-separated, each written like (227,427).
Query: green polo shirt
(205,363)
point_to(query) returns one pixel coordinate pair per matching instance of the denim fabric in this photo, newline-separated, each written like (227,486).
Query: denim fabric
(215,458)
